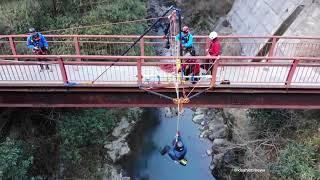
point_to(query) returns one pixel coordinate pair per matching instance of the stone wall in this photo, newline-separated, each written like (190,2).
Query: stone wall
(260,17)
(306,24)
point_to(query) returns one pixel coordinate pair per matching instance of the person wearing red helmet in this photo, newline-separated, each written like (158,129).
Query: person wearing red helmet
(186,39)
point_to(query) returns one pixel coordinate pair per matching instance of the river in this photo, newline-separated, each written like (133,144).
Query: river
(159,130)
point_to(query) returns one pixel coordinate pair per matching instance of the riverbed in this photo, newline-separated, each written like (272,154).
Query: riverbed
(147,163)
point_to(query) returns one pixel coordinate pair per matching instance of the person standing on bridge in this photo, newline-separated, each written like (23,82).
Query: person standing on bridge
(39,45)
(186,40)
(214,47)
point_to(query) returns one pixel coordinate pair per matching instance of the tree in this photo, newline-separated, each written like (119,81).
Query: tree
(296,161)
(83,129)
(14,160)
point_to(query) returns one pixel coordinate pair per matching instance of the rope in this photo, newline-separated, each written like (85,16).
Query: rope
(199,81)
(134,43)
(178,100)
(105,24)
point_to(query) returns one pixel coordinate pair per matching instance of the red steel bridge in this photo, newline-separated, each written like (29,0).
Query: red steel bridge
(89,71)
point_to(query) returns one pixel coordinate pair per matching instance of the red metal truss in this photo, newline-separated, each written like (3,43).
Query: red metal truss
(286,75)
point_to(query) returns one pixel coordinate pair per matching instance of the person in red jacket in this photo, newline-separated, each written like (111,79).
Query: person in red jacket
(191,67)
(215,46)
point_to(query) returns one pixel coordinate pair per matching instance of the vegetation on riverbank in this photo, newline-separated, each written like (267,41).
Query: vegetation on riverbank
(59,143)
(286,143)
(62,143)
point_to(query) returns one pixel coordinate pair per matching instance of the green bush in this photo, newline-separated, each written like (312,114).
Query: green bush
(14,161)
(296,161)
(83,129)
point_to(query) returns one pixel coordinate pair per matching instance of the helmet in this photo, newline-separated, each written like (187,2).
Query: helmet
(179,146)
(32,30)
(185,29)
(213,35)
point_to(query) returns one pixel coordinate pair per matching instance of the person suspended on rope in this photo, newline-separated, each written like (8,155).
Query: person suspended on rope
(178,150)
(39,45)
(186,39)
(191,67)
(214,47)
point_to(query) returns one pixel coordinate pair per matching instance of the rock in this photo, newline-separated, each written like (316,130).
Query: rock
(110,173)
(203,123)
(204,134)
(198,118)
(215,127)
(228,157)
(209,152)
(218,157)
(124,149)
(200,111)
(213,162)
(121,128)
(217,120)
(218,134)
(219,142)
(117,149)
(202,128)
(211,167)
(211,137)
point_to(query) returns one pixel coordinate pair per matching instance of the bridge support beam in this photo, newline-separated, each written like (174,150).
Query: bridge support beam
(143,99)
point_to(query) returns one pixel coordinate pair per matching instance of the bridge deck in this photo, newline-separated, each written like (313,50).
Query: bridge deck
(126,76)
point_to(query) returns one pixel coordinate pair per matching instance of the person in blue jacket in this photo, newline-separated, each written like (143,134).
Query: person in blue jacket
(39,45)
(178,150)
(186,40)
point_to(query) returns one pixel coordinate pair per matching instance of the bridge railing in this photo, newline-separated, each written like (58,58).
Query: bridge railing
(279,46)
(158,71)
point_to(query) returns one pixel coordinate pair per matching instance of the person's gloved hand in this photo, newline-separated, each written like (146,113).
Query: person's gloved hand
(178,133)
(46,48)
(36,48)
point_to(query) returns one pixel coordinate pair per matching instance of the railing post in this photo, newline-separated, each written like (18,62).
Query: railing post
(272,48)
(142,48)
(63,71)
(291,73)
(207,46)
(139,70)
(214,72)
(77,47)
(140,61)
(13,47)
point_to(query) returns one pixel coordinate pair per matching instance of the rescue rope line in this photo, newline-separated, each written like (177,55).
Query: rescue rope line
(176,51)
(105,24)
(199,81)
(134,43)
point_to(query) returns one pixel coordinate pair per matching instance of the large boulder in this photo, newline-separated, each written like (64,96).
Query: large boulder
(122,128)
(117,149)
(215,126)
(218,157)
(198,118)
(204,134)
(200,111)
(219,142)
(221,133)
